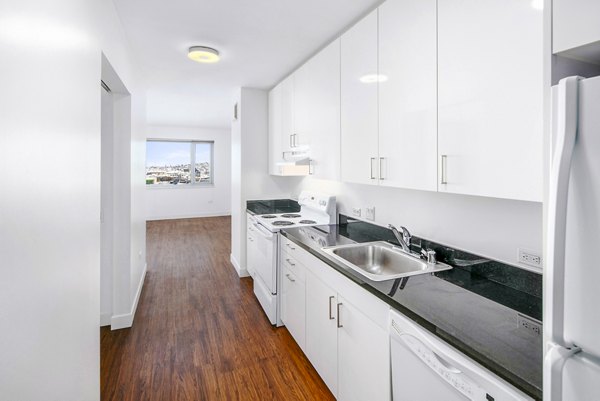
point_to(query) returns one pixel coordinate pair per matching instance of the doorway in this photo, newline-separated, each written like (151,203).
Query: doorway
(115,200)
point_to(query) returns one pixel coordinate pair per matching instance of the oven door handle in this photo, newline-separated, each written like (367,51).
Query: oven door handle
(263,231)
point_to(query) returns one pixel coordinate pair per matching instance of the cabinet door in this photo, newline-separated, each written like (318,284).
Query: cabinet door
(321,329)
(490,98)
(574,24)
(363,357)
(251,256)
(293,298)
(359,78)
(408,94)
(287,113)
(317,111)
(275,129)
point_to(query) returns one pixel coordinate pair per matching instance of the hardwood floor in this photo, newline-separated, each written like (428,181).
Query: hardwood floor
(199,332)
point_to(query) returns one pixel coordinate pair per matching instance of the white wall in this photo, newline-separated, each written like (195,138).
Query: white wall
(249,174)
(50,54)
(193,201)
(490,227)
(130,144)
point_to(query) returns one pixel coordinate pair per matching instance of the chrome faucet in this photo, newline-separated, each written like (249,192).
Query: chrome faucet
(403,239)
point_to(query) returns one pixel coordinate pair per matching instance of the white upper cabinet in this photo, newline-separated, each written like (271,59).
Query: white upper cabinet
(281,123)
(576,28)
(490,94)
(287,112)
(360,148)
(317,111)
(305,121)
(275,129)
(408,94)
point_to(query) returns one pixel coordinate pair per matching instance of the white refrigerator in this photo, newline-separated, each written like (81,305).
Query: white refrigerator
(572,279)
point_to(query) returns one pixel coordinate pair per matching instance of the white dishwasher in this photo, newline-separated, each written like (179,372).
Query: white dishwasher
(424,368)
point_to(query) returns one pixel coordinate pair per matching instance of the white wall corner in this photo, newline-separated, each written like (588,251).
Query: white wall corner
(105,319)
(240,271)
(126,320)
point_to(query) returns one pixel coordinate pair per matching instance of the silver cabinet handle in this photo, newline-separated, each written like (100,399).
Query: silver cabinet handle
(251,239)
(444,180)
(372,160)
(290,262)
(339,322)
(330,311)
(291,144)
(289,278)
(291,247)
(381,159)
(295,142)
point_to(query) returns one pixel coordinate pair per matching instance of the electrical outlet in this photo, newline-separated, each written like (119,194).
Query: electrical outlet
(530,258)
(356,211)
(370,215)
(529,324)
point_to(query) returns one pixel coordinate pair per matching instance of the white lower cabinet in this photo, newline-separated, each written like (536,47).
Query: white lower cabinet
(321,330)
(347,348)
(363,356)
(293,303)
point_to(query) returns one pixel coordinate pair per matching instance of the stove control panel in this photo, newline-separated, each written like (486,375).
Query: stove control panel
(318,202)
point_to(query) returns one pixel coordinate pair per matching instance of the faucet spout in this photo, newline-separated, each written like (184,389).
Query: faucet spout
(404,239)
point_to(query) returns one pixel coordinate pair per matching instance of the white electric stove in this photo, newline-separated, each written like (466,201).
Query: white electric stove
(263,245)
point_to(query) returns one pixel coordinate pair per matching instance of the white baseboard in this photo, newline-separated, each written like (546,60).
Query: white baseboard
(126,320)
(194,216)
(240,271)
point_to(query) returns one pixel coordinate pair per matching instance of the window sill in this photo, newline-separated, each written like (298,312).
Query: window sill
(184,186)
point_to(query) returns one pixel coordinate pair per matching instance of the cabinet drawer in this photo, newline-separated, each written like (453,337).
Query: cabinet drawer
(295,252)
(292,264)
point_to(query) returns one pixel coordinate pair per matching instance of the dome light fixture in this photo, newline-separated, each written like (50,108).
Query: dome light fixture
(203,54)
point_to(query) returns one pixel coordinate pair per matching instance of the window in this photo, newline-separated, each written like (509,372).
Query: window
(168,163)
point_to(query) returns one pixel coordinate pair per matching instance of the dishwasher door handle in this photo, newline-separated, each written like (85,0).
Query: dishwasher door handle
(423,352)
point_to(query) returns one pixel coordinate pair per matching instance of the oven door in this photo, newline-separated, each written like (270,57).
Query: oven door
(265,257)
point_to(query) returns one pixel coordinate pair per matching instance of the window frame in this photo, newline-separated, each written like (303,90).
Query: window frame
(192,184)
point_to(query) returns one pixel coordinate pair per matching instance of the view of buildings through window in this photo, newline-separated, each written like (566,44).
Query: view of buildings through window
(169,162)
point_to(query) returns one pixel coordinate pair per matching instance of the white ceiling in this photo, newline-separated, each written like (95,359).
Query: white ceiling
(260,41)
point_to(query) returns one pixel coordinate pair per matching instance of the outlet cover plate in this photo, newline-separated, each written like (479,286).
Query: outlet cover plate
(530,258)
(356,211)
(370,213)
(529,324)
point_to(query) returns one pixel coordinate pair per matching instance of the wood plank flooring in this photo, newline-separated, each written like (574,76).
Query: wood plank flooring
(199,332)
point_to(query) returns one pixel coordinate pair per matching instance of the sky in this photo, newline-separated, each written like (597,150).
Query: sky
(173,153)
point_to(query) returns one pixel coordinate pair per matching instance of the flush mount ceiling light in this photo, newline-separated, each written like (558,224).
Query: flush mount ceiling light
(203,54)
(373,78)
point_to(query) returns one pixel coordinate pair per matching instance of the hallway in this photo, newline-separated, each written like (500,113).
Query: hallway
(199,332)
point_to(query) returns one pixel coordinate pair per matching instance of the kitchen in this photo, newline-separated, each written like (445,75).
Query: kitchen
(402,203)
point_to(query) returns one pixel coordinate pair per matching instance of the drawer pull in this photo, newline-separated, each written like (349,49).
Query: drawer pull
(339,321)
(330,311)
(289,278)
(290,262)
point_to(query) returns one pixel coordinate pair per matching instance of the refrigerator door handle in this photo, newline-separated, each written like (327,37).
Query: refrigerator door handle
(554,362)
(560,170)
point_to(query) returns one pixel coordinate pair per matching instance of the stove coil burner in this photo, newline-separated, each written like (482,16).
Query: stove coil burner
(282,223)
(290,216)
(268,216)
(307,222)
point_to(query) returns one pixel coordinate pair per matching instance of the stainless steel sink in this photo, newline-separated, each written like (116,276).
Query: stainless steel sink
(379,261)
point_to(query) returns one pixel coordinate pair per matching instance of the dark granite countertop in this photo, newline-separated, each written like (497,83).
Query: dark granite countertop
(272,206)
(475,307)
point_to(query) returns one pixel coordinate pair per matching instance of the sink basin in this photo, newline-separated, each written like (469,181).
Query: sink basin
(379,261)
